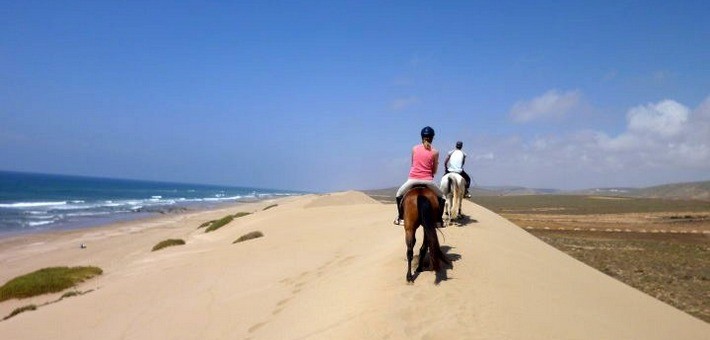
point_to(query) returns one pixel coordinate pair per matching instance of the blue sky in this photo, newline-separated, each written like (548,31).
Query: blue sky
(325,96)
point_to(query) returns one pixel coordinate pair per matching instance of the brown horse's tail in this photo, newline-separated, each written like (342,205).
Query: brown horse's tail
(427,215)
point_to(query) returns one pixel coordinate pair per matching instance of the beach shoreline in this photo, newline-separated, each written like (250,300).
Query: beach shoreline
(12,244)
(32,202)
(135,217)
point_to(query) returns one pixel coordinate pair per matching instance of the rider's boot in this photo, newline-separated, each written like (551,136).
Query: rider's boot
(398,220)
(440,222)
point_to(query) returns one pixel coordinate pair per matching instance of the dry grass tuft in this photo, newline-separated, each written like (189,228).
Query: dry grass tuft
(20,310)
(168,243)
(216,224)
(46,280)
(249,236)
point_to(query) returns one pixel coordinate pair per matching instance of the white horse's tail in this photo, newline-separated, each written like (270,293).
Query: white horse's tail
(445,185)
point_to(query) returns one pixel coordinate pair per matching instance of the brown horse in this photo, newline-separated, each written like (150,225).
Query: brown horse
(421,207)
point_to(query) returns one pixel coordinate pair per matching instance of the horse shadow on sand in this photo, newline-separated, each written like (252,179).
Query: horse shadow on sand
(463,220)
(441,275)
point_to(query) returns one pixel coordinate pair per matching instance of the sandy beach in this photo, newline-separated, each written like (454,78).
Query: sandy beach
(328,267)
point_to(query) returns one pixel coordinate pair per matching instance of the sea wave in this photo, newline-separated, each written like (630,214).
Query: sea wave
(38,223)
(92,213)
(48,214)
(66,201)
(43,207)
(20,205)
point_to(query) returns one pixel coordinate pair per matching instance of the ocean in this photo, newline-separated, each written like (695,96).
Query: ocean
(40,202)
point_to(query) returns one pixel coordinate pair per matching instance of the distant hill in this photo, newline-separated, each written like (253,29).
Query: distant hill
(692,190)
(511,190)
(620,191)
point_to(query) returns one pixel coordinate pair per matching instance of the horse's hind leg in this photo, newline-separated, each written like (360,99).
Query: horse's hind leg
(460,203)
(422,254)
(410,239)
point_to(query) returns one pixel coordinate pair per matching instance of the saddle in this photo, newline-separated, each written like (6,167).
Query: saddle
(412,187)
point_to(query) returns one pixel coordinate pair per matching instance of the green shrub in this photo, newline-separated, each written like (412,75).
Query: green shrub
(206,224)
(216,224)
(20,310)
(46,280)
(70,294)
(249,236)
(168,243)
(219,223)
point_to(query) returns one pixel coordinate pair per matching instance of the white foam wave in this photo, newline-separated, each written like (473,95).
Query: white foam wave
(88,213)
(231,198)
(32,204)
(39,223)
(44,217)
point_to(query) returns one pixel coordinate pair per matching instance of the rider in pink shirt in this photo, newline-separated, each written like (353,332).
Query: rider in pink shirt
(425,162)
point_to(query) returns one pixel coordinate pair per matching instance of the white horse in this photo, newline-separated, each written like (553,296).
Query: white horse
(453,186)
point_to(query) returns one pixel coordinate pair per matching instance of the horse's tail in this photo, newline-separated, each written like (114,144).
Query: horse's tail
(428,220)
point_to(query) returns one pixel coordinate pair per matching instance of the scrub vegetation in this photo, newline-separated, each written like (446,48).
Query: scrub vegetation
(168,243)
(249,236)
(47,280)
(20,310)
(216,224)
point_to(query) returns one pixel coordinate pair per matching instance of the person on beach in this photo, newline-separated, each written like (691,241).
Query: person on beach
(425,162)
(454,163)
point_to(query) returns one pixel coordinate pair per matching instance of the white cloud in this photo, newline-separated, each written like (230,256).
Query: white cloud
(666,118)
(552,104)
(661,142)
(403,103)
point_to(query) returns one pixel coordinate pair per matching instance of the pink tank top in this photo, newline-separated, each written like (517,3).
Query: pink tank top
(423,163)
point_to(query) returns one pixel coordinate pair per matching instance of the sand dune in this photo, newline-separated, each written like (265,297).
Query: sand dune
(329,267)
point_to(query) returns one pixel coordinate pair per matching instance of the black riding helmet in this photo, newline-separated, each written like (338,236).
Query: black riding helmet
(427,132)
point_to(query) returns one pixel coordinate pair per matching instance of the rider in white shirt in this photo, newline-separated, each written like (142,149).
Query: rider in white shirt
(454,163)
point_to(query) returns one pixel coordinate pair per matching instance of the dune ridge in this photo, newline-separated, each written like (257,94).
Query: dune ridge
(328,267)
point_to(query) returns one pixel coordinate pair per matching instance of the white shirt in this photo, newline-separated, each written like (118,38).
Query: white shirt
(456,158)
